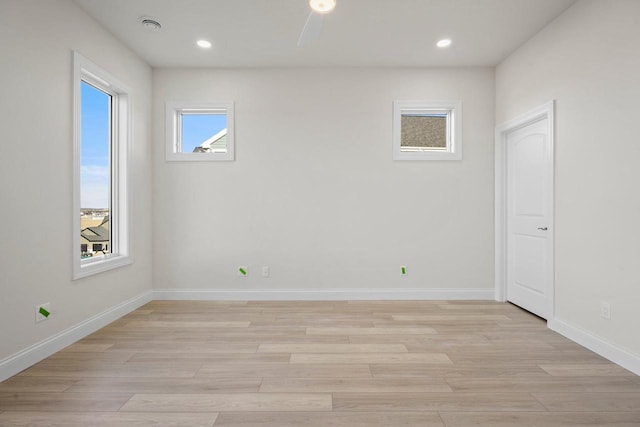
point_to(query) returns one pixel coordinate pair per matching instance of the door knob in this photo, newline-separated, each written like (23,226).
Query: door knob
(542,228)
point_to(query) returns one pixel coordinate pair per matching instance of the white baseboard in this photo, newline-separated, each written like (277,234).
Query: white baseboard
(616,354)
(323,295)
(39,351)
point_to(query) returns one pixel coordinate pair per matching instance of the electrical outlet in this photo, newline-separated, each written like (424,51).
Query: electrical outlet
(403,270)
(605,310)
(43,311)
(243,271)
(265,271)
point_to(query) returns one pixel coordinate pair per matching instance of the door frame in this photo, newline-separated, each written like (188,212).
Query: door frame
(545,111)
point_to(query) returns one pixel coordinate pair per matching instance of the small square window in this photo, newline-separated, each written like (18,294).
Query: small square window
(427,130)
(200,132)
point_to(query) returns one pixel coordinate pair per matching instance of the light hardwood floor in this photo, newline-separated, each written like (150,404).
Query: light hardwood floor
(357,364)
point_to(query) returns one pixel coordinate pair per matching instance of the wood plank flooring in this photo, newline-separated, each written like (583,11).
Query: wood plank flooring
(357,364)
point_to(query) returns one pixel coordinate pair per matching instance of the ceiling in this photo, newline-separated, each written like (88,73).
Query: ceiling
(384,33)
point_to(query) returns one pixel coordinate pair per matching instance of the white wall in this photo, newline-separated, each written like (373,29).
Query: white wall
(314,192)
(36,152)
(588,61)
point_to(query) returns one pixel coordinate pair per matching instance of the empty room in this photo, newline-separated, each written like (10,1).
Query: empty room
(274,213)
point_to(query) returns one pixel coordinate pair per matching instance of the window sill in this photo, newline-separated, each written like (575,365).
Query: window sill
(94,266)
(427,155)
(199,157)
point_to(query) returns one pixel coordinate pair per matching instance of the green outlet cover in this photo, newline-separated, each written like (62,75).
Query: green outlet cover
(44,312)
(243,271)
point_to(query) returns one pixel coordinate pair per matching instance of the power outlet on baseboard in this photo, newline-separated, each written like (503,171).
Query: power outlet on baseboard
(605,310)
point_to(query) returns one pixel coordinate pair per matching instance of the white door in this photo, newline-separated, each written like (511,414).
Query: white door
(529,197)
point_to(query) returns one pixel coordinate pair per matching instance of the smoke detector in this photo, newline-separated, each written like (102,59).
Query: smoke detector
(150,24)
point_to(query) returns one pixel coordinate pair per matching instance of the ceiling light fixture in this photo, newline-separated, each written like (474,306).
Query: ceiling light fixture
(322,6)
(205,44)
(150,24)
(444,43)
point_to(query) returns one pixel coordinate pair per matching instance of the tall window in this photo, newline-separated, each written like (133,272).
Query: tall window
(101,140)
(95,168)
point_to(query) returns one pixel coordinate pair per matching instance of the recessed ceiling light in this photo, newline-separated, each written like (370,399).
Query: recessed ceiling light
(150,24)
(322,6)
(205,44)
(444,43)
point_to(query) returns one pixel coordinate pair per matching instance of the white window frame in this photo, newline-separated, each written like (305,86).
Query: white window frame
(453,112)
(121,145)
(174,110)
